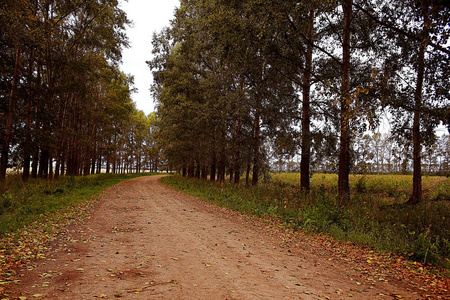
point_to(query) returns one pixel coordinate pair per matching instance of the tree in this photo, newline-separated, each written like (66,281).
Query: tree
(417,36)
(65,55)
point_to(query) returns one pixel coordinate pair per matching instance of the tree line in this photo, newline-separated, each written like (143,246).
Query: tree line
(376,154)
(238,80)
(65,106)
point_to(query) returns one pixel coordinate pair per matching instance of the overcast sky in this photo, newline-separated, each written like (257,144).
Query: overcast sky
(148,16)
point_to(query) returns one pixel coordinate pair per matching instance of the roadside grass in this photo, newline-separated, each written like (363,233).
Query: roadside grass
(22,203)
(375,217)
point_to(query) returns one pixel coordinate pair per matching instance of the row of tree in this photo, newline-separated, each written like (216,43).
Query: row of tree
(65,106)
(376,154)
(232,75)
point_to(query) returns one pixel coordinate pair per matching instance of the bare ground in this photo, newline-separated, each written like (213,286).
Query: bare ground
(144,240)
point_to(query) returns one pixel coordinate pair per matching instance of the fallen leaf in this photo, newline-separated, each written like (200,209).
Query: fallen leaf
(101,296)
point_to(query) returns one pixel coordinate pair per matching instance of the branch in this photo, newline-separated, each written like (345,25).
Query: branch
(400,31)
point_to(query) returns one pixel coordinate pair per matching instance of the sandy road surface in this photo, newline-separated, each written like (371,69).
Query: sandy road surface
(147,241)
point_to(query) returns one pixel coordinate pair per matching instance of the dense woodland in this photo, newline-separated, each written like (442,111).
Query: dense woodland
(65,106)
(240,84)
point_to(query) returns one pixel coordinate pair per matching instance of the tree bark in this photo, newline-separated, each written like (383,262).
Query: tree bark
(306,112)
(10,116)
(28,121)
(344,150)
(416,196)
(212,175)
(256,154)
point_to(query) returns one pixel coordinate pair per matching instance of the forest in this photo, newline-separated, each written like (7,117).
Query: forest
(245,86)
(65,105)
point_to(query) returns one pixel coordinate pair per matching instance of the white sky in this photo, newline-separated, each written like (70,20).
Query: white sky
(148,16)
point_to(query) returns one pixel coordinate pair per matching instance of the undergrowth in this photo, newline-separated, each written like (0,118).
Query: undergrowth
(420,233)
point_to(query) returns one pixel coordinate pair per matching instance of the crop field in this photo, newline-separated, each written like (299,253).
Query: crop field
(390,188)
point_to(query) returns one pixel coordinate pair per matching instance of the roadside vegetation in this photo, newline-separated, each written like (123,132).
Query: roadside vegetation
(375,217)
(22,203)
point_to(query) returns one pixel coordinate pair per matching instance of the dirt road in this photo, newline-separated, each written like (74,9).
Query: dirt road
(146,241)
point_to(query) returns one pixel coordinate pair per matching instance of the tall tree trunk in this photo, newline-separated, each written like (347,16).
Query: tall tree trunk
(35,163)
(50,167)
(10,117)
(256,150)
(198,167)
(238,154)
(222,163)
(344,150)
(416,196)
(191,170)
(247,174)
(43,164)
(306,111)
(28,121)
(99,165)
(212,175)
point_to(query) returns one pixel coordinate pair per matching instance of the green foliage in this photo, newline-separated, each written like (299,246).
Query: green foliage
(26,202)
(420,232)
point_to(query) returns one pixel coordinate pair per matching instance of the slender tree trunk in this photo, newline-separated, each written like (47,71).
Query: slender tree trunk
(43,164)
(204,171)
(344,151)
(222,163)
(231,170)
(256,154)
(10,117)
(50,167)
(27,141)
(198,168)
(238,158)
(191,170)
(212,175)
(99,165)
(34,164)
(416,196)
(306,112)
(247,174)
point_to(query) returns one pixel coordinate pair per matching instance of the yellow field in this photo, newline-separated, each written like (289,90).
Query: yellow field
(390,187)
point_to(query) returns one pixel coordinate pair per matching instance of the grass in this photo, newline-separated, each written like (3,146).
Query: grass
(375,217)
(22,203)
